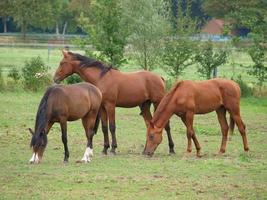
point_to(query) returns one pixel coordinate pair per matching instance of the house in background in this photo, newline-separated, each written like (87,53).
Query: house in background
(214,30)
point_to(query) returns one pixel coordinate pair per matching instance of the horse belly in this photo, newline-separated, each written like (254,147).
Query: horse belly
(208,103)
(131,98)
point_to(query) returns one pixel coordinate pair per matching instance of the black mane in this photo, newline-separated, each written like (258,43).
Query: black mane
(40,120)
(90,62)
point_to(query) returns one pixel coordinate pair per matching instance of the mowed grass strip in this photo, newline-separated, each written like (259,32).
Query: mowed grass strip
(130,175)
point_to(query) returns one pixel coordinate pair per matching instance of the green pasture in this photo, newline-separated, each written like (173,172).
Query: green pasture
(15,57)
(130,175)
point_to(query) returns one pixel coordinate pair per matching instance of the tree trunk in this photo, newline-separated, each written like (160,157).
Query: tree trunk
(215,72)
(24,30)
(64,28)
(57,30)
(145,56)
(5,24)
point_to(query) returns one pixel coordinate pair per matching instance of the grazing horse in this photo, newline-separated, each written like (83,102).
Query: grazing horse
(118,90)
(188,98)
(62,103)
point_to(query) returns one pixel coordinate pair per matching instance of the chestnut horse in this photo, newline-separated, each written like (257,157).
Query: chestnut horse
(61,104)
(188,98)
(118,90)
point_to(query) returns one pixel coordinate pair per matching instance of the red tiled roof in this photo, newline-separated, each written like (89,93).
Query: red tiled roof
(213,27)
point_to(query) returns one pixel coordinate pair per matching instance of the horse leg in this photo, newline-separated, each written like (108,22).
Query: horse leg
(63,125)
(188,119)
(89,124)
(231,128)
(168,131)
(221,115)
(104,122)
(145,112)
(241,127)
(112,127)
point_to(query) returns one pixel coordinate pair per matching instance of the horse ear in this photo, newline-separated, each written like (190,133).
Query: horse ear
(31,131)
(65,53)
(151,124)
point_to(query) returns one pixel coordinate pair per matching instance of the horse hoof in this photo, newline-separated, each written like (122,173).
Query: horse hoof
(104,152)
(82,161)
(186,155)
(172,152)
(199,155)
(113,152)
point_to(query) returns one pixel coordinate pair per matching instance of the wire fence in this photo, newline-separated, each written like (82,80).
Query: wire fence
(38,40)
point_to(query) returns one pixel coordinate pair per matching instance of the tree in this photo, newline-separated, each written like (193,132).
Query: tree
(180,48)
(258,55)
(37,13)
(5,11)
(106,29)
(250,13)
(148,28)
(209,59)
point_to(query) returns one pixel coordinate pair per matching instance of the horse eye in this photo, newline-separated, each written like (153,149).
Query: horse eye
(151,136)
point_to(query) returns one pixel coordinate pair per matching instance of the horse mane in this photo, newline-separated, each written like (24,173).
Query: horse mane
(165,100)
(90,62)
(40,120)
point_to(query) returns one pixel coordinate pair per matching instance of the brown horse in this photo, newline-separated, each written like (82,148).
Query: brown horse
(61,104)
(188,98)
(118,89)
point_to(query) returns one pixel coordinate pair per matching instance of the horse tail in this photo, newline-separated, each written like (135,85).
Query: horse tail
(231,126)
(97,121)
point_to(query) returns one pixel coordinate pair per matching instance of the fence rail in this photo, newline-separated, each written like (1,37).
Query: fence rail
(38,40)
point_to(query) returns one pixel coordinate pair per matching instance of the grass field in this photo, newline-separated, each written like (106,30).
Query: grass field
(130,175)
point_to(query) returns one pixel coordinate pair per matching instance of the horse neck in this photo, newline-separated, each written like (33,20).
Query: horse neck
(162,115)
(89,74)
(41,121)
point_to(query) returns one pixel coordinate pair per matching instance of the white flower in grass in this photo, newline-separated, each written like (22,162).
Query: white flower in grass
(39,75)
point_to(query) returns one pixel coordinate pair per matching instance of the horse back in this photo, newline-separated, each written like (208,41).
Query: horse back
(73,102)
(135,88)
(206,96)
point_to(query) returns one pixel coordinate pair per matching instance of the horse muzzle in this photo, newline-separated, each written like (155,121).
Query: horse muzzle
(56,80)
(148,153)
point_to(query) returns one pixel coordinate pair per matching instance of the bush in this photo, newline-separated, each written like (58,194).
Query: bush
(2,83)
(73,79)
(35,75)
(258,54)
(14,74)
(246,91)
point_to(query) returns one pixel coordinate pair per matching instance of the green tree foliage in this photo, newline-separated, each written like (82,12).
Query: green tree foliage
(258,55)
(5,12)
(68,12)
(180,48)
(209,59)
(32,12)
(148,27)
(106,29)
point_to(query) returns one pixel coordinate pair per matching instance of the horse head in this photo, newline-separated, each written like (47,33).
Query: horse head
(66,67)
(154,138)
(38,144)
